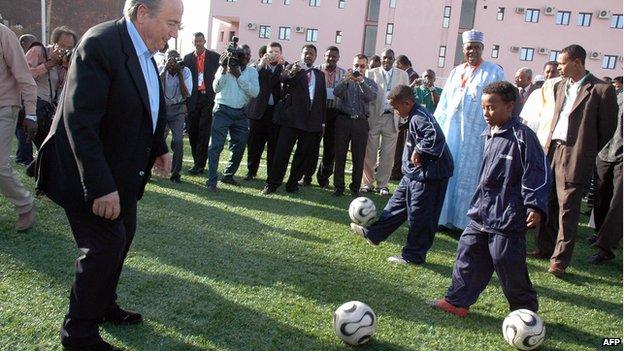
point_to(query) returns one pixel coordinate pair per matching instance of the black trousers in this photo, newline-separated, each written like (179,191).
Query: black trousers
(326,168)
(198,128)
(105,245)
(261,131)
(354,131)
(285,143)
(608,206)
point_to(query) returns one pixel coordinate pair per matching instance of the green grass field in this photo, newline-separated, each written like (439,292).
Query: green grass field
(235,270)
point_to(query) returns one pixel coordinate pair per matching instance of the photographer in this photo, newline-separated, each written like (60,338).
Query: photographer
(353,94)
(177,83)
(48,66)
(426,93)
(235,84)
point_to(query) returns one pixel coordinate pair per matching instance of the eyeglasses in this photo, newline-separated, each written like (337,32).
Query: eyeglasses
(359,66)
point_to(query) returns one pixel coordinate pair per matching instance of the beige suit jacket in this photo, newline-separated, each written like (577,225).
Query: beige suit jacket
(399,77)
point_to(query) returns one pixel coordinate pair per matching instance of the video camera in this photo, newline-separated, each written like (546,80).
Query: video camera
(234,54)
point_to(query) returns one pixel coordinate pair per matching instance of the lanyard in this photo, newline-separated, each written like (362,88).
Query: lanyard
(463,79)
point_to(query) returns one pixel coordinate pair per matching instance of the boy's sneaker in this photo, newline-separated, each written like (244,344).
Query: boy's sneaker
(359,230)
(443,305)
(384,191)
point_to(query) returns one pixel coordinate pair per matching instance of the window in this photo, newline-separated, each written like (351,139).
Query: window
(370,39)
(500,14)
(264,32)
(495,51)
(531,15)
(563,18)
(338,36)
(342,4)
(392,3)
(315,3)
(266,1)
(230,0)
(526,54)
(553,55)
(311,35)
(389,32)
(608,61)
(284,33)
(616,21)
(286,2)
(372,11)
(584,19)
(446,20)
(441,56)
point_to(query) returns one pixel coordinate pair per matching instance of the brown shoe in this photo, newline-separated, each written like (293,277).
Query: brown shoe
(538,255)
(556,269)
(26,220)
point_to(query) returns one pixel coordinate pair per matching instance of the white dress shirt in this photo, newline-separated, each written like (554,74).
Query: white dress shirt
(571,92)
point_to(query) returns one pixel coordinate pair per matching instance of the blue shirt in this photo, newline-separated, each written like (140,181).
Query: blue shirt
(236,92)
(149,71)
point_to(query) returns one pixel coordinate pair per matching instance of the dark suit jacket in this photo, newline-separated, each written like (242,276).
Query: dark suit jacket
(591,125)
(102,137)
(298,112)
(211,64)
(269,84)
(519,102)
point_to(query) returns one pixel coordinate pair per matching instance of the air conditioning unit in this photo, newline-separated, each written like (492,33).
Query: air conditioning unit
(514,49)
(542,51)
(549,10)
(520,10)
(299,29)
(594,55)
(252,26)
(604,14)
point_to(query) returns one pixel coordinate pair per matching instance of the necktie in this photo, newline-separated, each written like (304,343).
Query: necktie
(309,75)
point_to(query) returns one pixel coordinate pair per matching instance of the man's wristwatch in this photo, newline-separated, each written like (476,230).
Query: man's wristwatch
(31,117)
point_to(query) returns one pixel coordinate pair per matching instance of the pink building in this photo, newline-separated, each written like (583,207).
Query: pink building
(517,33)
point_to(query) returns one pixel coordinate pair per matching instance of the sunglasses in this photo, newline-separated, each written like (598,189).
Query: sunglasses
(359,66)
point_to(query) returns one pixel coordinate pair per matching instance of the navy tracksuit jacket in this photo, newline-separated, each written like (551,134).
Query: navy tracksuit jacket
(514,180)
(420,194)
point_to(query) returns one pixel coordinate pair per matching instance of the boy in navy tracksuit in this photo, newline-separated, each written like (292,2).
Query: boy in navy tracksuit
(511,196)
(427,166)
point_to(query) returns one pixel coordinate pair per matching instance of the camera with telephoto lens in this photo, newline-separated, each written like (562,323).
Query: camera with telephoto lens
(68,53)
(422,81)
(234,54)
(356,74)
(180,62)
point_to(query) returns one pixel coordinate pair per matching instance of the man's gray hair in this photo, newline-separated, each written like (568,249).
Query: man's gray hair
(527,71)
(132,6)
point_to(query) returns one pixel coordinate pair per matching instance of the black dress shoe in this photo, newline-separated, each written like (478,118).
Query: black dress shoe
(229,180)
(592,239)
(268,190)
(599,258)
(100,346)
(249,177)
(195,170)
(337,193)
(120,316)
(292,190)
(323,182)
(175,178)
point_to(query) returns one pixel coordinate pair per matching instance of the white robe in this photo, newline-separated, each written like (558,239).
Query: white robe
(460,116)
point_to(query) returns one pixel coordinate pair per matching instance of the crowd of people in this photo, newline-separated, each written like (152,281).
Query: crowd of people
(480,155)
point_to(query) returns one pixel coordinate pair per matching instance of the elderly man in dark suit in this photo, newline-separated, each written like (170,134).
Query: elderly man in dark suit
(584,121)
(301,121)
(203,64)
(106,136)
(262,129)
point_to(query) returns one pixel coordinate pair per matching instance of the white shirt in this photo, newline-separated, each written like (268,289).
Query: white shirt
(311,84)
(572,90)
(388,77)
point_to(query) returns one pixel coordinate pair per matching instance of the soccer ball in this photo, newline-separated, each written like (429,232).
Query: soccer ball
(354,322)
(362,211)
(524,329)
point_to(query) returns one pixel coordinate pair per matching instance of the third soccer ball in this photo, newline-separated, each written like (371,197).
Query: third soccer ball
(354,322)
(524,329)
(362,211)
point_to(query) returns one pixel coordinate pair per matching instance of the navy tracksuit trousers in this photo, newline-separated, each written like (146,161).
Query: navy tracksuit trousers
(479,254)
(420,204)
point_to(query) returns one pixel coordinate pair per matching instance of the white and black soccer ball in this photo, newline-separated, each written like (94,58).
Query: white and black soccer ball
(524,329)
(354,322)
(362,211)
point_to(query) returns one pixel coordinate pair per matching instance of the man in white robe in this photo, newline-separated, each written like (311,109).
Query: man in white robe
(460,116)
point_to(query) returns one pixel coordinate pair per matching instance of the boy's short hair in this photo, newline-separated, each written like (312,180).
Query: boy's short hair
(505,90)
(401,93)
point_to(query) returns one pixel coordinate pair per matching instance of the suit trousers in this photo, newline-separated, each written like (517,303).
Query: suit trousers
(381,139)
(354,131)
(175,122)
(397,173)
(199,123)
(288,136)
(608,206)
(261,131)
(233,120)
(326,168)
(10,185)
(420,204)
(105,245)
(479,255)
(556,236)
